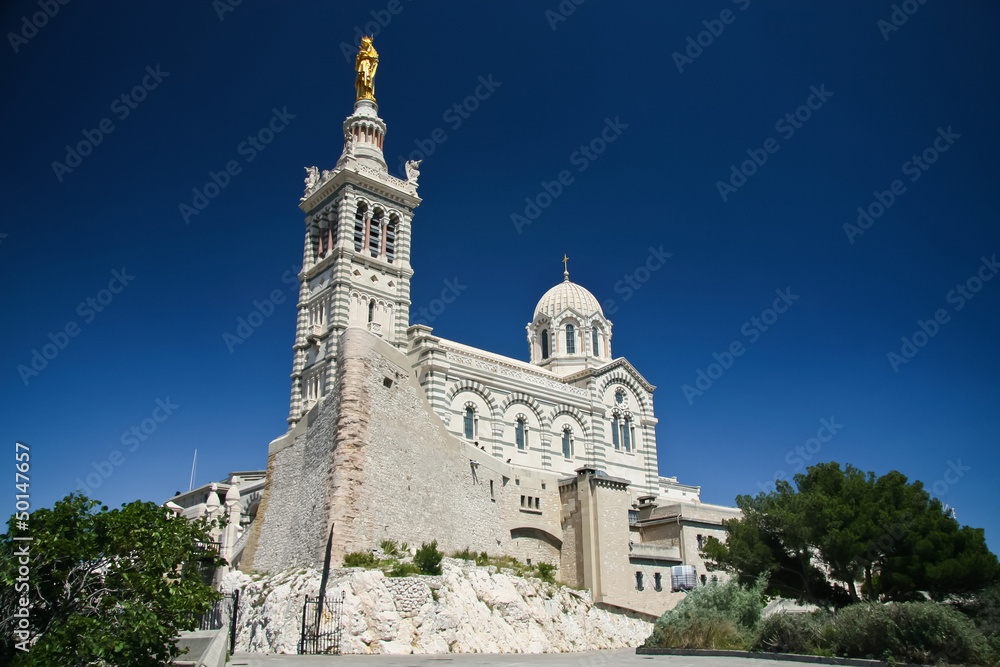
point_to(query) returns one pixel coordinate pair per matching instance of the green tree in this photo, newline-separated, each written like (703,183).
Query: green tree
(844,535)
(105,587)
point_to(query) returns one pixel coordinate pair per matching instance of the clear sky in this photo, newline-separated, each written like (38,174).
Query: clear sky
(738,137)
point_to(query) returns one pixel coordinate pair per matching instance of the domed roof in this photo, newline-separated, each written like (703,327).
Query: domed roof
(567,295)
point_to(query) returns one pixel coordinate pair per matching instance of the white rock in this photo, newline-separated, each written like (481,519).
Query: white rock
(477,610)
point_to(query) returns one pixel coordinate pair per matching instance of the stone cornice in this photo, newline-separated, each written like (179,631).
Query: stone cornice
(371,179)
(610,366)
(493,365)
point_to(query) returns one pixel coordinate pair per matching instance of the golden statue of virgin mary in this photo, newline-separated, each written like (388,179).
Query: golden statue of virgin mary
(365,64)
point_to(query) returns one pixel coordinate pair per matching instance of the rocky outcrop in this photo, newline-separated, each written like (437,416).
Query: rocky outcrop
(468,609)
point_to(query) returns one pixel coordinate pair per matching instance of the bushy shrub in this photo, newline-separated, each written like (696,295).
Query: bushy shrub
(793,633)
(428,558)
(712,616)
(984,610)
(483,558)
(547,572)
(364,559)
(403,570)
(913,632)
(389,547)
(464,554)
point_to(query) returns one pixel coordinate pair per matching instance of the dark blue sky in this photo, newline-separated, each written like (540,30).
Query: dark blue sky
(879,97)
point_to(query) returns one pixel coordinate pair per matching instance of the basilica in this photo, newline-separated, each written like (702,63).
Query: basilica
(397,433)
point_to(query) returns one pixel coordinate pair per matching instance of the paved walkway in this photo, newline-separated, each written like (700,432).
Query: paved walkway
(623,657)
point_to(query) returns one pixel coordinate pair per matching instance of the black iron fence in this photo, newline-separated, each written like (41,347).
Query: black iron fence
(321,626)
(223,614)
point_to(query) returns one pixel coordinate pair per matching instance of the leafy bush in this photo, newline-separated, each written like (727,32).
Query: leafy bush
(483,558)
(389,547)
(712,616)
(364,559)
(793,633)
(547,572)
(403,570)
(428,558)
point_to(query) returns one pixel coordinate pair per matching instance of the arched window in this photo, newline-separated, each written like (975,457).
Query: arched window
(371,310)
(545,344)
(521,433)
(470,423)
(570,339)
(615,440)
(595,342)
(627,434)
(359,227)
(567,443)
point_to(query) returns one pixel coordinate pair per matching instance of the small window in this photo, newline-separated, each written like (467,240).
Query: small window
(595,343)
(638,581)
(387,383)
(701,543)
(633,516)
(657,584)
(567,444)
(371,310)
(470,423)
(545,344)
(614,432)
(704,579)
(519,433)
(627,434)
(522,501)
(570,339)
(492,497)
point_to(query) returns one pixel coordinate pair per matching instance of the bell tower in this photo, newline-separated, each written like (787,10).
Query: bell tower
(356,262)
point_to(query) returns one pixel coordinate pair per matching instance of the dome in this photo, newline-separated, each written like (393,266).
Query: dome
(567,295)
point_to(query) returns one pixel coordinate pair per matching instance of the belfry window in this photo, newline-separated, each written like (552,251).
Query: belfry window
(375,234)
(570,339)
(567,443)
(545,344)
(595,343)
(359,227)
(521,433)
(390,239)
